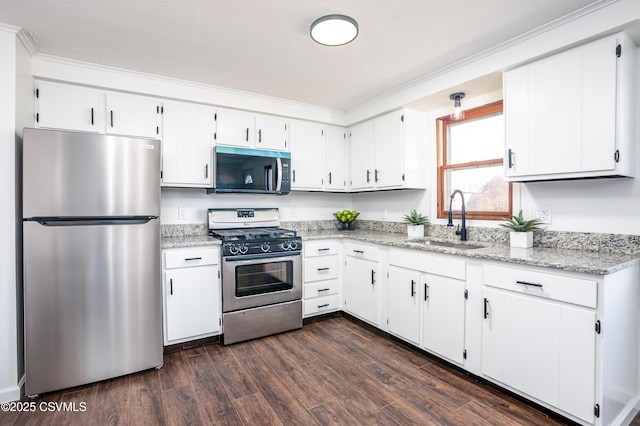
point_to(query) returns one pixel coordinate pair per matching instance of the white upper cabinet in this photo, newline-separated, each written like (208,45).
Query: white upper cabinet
(189,131)
(335,158)
(133,115)
(69,107)
(361,156)
(318,154)
(249,130)
(61,106)
(272,132)
(307,155)
(388,152)
(571,115)
(235,128)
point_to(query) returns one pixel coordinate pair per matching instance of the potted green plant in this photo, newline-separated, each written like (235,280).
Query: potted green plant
(416,222)
(521,234)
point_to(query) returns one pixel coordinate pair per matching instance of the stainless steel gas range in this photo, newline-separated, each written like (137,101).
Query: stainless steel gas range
(261,273)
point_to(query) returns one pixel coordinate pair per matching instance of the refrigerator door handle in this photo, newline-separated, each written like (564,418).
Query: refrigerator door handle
(71,221)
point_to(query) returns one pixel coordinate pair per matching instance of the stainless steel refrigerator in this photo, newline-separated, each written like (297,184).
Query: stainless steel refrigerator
(92,284)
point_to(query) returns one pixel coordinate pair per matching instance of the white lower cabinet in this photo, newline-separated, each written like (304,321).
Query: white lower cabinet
(191,289)
(321,282)
(443,318)
(426,301)
(362,283)
(403,300)
(567,340)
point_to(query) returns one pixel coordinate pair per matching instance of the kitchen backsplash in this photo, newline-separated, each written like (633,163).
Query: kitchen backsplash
(607,243)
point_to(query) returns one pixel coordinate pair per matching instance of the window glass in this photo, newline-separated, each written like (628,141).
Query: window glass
(476,140)
(470,158)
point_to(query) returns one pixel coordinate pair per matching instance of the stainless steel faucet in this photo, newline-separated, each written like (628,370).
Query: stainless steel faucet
(462,232)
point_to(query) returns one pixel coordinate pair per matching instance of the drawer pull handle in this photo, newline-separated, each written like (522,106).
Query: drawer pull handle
(323,289)
(529,284)
(373,277)
(189,259)
(324,249)
(323,306)
(323,269)
(358,251)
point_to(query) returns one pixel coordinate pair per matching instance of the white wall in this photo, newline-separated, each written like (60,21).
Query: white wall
(294,206)
(8,316)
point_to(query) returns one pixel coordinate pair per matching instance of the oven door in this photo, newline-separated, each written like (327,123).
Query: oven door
(259,280)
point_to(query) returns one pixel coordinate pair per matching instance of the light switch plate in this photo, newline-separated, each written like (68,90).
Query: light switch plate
(182,213)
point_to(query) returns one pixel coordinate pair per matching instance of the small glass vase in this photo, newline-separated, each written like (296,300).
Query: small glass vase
(347,226)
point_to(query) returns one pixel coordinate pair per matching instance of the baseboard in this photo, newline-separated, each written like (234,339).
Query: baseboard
(11,393)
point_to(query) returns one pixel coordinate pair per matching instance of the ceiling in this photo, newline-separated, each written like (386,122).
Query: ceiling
(263,46)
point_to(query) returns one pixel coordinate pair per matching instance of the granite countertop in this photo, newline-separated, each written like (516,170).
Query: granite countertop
(188,241)
(591,262)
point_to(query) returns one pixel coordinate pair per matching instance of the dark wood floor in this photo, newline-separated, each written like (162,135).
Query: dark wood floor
(330,372)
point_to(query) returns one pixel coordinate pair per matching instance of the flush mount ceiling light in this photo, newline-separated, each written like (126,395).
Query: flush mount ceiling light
(457,113)
(334,30)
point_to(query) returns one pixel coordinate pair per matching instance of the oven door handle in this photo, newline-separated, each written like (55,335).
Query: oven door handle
(261,256)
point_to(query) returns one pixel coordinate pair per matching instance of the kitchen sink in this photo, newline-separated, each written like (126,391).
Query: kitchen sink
(459,246)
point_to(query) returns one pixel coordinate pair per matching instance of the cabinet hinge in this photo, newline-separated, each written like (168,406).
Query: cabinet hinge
(464,354)
(157,130)
(160,174)
(402,118)
(596,410)
(403,177)
(387,321)
(37,117)
(157,109)
(219,321)
(618,50)
(466,295)
(215,136)
(38,93)
(598,327)
(218,274)
(344,135)
(215,117)
(321,132)
(616,156)
(162,109)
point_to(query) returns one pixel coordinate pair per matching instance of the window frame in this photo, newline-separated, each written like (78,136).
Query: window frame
(442,124)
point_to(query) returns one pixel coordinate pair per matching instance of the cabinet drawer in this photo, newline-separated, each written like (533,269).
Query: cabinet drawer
(362,251)
(190,256)
(321,268)
(321,288)
(579,291)
(439,264)
(321,305)
(321,248)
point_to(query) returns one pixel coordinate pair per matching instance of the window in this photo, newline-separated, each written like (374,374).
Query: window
(470,158)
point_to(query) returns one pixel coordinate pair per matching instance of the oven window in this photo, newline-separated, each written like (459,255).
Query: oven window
(264,278)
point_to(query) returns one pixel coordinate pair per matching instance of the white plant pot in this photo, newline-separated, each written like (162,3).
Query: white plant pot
(521,239)
(415,231)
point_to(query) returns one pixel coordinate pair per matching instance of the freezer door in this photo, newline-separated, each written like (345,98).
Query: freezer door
(93,303)
(89,175)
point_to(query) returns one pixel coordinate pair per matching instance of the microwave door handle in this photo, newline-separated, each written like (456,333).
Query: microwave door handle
(278,174)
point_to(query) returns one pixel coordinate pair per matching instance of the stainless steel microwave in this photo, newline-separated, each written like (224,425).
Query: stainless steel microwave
(255,171)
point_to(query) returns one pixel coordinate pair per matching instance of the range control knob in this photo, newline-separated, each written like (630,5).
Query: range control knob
(243,248)
(233,249)
(265,247)
(293,245)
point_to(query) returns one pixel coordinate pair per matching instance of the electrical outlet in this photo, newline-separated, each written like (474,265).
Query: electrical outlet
(544,215)
(182,213)
(294,213)
(384,213)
